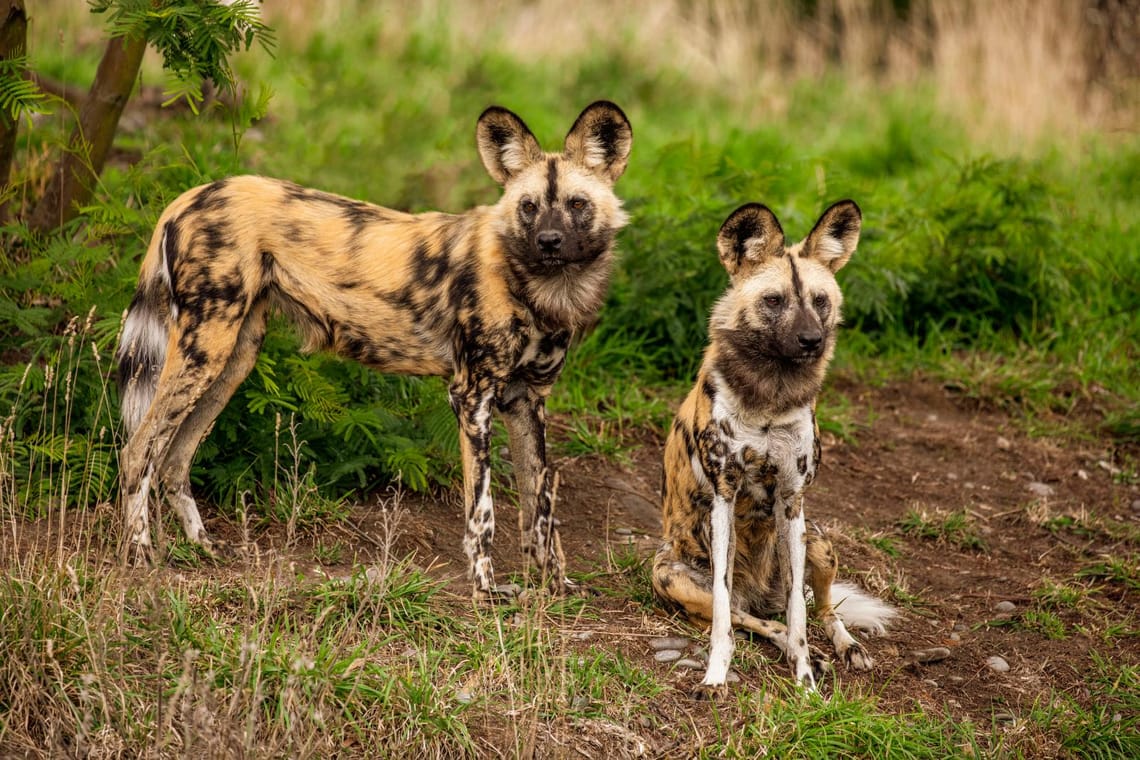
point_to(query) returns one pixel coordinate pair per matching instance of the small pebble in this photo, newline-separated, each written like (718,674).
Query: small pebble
(1003,443)
(584,635)
(623,531)
(997,664)
(668,642)
(690,663)
(930,682)
(933,654)
(1083,474)
(464,695)
(580,702)
(667,655)
(955,636)
(1005,717)
(961,627)
(645,721)
(1005,606)
(732,677)
(1037,488)
(1136,505)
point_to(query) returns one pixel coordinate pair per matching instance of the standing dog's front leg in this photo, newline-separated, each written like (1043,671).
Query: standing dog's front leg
(472,402)
(524,413)
(792,551)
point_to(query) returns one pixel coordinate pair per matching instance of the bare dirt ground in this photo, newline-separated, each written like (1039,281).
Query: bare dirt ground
(917,448)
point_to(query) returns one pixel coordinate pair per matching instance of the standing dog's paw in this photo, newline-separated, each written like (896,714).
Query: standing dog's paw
(139,554)
(504,593)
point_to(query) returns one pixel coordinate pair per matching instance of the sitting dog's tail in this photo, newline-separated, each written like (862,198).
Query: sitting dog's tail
(858,609)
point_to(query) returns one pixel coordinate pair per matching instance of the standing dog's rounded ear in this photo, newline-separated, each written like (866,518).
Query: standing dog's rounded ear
(506,145)
(835,235)
(750,235)
(600,140)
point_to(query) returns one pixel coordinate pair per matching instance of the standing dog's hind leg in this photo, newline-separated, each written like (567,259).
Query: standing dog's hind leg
(180,454)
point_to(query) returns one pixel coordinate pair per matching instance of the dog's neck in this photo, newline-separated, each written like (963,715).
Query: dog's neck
(765,388)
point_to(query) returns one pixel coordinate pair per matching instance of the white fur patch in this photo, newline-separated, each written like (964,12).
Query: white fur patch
(144,339)
(861,610)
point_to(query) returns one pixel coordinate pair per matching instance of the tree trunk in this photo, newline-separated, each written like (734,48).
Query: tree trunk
(73,181)
(13,41)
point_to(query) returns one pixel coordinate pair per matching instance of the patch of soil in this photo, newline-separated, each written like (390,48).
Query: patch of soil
(1042,509)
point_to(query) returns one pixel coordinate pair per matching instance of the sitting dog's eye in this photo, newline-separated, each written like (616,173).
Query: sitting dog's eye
(578,204)
(820,301)
(773,301)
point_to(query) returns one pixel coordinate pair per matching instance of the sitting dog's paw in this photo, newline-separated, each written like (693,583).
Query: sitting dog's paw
(704,692)
(857,658)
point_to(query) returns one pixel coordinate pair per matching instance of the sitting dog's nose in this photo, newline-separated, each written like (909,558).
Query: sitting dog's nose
(549,240)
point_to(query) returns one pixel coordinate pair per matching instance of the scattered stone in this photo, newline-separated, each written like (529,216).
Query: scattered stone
(1108,467)
(1136,505)
(645,721)
(667,655)
(584,635)
(951,476)
(1005,606)
(504,453)
(1083,474)
(955,636)
(557,523)
(1004,717)
(933,654)
(668,642)
(623,531)
(956,679)
(1037,488)
(961,627)
(732,677)
(508,589)
(580,702)
(689,663)
(464,695)
(930,682)
(997,664)
(1003,443)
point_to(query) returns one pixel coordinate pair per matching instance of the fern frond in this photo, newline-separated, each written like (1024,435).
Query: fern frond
(18,94)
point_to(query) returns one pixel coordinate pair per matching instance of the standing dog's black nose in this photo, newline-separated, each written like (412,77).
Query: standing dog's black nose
(549,240)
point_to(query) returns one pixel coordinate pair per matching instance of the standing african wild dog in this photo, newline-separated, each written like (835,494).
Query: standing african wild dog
(490,297)
(745,445)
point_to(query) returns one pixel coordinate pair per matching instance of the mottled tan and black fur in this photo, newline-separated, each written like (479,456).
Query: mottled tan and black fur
(744,446)
(490,298)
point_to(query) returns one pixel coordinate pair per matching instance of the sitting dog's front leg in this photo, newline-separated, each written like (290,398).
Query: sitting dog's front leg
(723,473)
(472,403)
(792,551)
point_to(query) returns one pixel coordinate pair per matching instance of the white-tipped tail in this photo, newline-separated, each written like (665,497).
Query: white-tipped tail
(861,610)
(140,355)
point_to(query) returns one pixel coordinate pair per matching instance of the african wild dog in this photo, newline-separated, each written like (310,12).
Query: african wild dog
(745,445)
(490,297)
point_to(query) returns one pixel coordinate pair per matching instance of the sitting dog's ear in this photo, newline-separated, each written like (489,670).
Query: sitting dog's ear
(600,140)
(835,235)
(749,236)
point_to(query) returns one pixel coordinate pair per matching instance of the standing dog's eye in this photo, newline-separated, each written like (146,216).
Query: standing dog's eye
(820,301)
(773,302)
(529,208)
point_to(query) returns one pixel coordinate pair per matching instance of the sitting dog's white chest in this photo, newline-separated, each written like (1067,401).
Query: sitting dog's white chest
(771,451)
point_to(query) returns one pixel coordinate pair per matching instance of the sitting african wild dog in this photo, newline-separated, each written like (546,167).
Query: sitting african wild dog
(745,445)
(490,297)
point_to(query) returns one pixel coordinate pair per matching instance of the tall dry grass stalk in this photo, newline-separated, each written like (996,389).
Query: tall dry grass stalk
(1024,68)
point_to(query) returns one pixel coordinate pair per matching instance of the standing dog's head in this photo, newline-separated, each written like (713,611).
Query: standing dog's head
(781,312)
(558,215)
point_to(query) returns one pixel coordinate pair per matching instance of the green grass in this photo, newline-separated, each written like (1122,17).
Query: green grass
(956,528)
